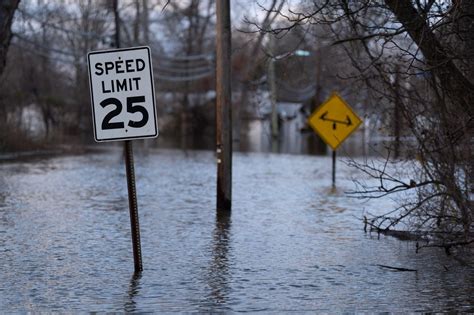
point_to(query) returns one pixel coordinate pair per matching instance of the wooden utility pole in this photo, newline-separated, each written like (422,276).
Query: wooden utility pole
(223,107)
(273,91)
(130,170)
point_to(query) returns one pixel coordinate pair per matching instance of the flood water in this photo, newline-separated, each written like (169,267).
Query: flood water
(290,244)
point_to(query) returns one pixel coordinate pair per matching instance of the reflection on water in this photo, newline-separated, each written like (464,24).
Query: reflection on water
(133,290)
(219,268)
(290,244)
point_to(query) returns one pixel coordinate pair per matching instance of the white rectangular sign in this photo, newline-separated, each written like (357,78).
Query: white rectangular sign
(123,94)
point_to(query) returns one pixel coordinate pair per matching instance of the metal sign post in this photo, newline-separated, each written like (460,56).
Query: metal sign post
(123,107)
(133,207)
(333,168)
(334,121)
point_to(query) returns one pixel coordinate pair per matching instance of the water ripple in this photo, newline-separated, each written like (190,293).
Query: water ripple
(291,244)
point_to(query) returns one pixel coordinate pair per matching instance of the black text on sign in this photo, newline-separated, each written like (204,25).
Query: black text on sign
(122,93)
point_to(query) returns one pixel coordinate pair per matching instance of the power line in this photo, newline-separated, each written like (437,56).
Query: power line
(183,71)
(161,72)
(182,78)
(207,56)
(173,78)
(184,68)
(181,65)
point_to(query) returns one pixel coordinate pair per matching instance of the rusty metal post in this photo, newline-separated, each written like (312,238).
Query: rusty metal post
(130,170)
(223,107)
(133,206)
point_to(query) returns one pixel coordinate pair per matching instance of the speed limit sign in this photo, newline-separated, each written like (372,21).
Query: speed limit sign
(123,94)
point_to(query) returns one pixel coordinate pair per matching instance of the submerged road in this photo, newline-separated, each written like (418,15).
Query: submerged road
(290,244)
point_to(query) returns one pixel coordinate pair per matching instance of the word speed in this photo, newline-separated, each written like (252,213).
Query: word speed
(122,94)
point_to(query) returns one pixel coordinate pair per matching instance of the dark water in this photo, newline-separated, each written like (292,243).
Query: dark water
(291,243)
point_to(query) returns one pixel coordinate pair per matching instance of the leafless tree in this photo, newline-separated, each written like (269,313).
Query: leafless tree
(417,59)
(7,11)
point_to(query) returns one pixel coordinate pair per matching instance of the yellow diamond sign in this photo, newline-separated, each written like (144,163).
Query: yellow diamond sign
(334,121)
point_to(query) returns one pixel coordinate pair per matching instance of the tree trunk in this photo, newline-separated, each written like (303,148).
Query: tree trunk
(136,23)
(7,10)
(145,23)
(443,67)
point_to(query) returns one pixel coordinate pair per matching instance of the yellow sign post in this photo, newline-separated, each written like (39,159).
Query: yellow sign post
(334,121)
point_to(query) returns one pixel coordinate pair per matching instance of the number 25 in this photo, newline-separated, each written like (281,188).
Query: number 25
(131,108)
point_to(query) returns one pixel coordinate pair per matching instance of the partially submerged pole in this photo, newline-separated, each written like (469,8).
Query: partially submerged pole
(223,106)
(334,168)
(273,91)
(130,170)
(133,206)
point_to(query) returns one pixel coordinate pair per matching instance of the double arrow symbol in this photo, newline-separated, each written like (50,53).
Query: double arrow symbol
(347,122)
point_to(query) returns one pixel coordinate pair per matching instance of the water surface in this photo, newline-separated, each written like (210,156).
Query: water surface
(291,242)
